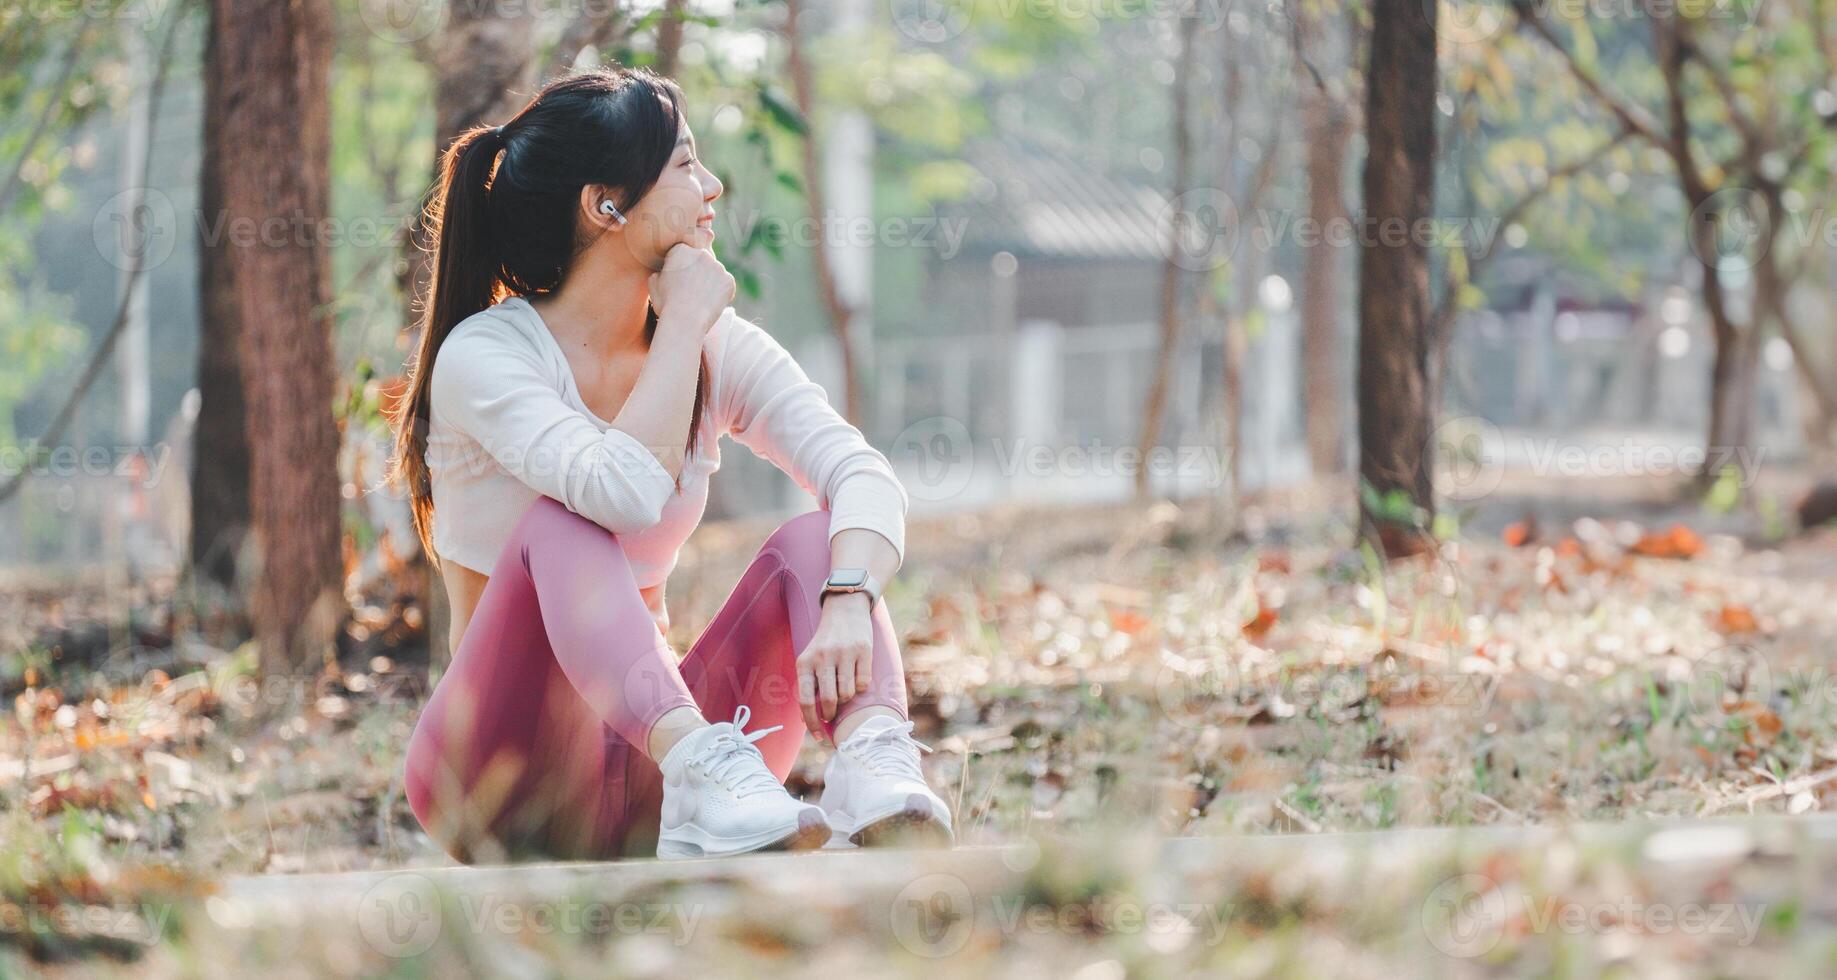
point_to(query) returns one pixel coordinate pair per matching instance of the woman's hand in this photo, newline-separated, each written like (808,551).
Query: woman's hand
(693,287)
(660,611)
(838,663)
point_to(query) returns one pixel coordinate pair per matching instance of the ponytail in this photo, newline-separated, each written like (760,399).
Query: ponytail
(466,279)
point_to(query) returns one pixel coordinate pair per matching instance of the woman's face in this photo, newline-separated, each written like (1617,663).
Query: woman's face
(679,209)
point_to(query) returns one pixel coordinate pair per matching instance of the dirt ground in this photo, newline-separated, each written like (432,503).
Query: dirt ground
(1600,652)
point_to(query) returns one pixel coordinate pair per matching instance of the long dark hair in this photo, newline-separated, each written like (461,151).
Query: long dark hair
(507,227)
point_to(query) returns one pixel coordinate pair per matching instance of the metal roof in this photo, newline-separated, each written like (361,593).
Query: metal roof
(1035,201)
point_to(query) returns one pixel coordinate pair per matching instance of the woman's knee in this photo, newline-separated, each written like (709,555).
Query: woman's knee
(545,515)
(548,523)
(803,536)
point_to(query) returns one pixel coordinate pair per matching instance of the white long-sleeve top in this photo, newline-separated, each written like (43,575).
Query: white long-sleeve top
(508,424)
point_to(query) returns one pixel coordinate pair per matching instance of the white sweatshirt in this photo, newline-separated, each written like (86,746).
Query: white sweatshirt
(509,424)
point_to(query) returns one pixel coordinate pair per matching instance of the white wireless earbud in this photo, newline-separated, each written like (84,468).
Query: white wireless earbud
(607,208)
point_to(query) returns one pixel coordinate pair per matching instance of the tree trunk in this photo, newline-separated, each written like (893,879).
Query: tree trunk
(274,153)
(1155,410)
(592,27)
(480,75)
(1819,391)
(220,454)
(1329,132)
(669,36)
(1734,372)
(1395,413)
(803,90)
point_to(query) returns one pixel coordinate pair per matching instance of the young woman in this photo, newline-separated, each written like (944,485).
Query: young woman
(578,363)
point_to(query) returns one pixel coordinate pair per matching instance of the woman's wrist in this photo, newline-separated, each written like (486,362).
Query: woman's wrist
(847,600)
(689,329)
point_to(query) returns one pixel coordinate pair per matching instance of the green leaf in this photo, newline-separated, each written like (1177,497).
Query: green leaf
(783,113)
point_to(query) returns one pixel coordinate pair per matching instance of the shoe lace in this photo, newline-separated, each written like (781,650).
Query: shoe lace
(888,751)
(731,759)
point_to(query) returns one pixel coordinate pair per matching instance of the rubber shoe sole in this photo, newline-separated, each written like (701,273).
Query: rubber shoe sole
(811,834)
(912,824)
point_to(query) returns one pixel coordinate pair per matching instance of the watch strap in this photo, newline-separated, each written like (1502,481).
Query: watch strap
(870,585)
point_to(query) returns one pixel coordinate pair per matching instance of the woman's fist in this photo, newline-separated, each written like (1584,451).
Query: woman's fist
(693,287)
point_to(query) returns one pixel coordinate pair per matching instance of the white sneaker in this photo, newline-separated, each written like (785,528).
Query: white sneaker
(875,793)
(719,798)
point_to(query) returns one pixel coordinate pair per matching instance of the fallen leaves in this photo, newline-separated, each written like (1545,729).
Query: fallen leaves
(1735,620)
(1260,624)
(1679,542)
(1127,621)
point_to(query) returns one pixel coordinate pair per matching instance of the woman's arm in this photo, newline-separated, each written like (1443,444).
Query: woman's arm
(839,663)
(690,294)
(502,397)
(773,408)
(657,411)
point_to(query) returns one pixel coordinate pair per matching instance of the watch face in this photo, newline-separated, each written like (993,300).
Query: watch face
(848,578)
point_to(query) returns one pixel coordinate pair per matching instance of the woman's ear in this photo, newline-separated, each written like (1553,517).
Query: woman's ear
(598,207)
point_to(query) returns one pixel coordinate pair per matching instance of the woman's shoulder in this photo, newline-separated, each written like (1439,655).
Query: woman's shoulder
(481,347)
(504,325)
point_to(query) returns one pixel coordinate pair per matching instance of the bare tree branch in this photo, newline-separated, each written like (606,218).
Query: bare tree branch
(1478,258)
(54,102)
(1630,114)
(100,358)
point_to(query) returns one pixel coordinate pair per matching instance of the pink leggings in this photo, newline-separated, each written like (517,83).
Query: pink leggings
(534,741)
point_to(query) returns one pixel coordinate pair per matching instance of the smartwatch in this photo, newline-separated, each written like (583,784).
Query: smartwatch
(851,580)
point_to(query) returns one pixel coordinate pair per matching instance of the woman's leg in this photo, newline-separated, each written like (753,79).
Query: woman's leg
(748,655)
(525,746)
